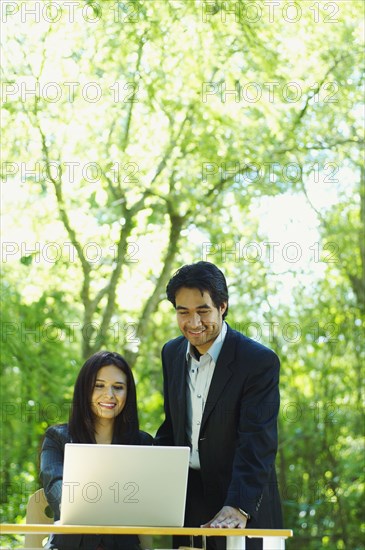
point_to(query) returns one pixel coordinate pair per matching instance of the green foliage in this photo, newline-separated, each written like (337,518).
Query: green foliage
(37,372)
(321,451)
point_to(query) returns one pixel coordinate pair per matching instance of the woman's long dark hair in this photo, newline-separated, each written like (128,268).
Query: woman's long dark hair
(82,419)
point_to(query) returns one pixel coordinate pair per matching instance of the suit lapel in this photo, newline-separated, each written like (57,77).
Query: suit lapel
(178,394)
(222,374)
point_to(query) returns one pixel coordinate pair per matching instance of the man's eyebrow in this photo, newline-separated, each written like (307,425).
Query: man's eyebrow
(202,306)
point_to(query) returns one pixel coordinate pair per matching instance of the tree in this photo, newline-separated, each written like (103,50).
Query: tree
(153,134)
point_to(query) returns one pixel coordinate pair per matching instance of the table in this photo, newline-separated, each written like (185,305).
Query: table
(273,539)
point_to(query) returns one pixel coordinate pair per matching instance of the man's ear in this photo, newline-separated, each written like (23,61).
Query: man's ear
(223,307)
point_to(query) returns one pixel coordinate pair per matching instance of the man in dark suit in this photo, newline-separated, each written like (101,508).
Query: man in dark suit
(222,399)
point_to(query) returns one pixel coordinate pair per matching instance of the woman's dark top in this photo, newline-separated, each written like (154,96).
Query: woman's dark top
(51,473)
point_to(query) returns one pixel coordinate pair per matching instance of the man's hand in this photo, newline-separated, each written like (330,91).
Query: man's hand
(228,518)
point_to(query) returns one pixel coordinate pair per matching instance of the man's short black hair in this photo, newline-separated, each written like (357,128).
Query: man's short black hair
(204,276)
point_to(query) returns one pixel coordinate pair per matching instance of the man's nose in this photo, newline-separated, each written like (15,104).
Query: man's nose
(195,320)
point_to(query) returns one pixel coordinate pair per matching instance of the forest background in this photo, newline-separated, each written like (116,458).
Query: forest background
(139,136)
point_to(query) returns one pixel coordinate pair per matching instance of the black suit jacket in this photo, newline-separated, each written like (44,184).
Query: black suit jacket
(238,435)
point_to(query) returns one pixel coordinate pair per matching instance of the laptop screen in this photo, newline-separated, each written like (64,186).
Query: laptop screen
(124,485)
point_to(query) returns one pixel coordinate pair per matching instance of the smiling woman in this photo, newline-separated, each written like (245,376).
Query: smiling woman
(104,411)
(108,400)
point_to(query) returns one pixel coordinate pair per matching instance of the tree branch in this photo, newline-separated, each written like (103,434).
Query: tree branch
(169,150)
(176,225)
(302,113)
(131,103)
(111,288)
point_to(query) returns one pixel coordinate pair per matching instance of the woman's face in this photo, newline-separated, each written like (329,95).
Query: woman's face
(110,393)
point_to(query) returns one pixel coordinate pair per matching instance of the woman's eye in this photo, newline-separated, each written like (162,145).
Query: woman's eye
(99,386)
(118,388)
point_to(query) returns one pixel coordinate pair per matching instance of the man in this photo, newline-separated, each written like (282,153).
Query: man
(222,399)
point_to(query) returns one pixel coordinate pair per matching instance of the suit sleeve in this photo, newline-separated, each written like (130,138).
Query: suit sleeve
(51,470)
(257,436)
(164,435)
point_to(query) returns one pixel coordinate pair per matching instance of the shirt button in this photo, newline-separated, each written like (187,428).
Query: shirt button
(199,395)
(198,423)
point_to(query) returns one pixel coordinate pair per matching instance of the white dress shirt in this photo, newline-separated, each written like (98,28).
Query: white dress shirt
(199,376)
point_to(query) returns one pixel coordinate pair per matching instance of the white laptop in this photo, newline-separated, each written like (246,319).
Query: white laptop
(124,485)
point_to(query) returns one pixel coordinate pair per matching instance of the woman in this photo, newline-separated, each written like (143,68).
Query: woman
(104,411)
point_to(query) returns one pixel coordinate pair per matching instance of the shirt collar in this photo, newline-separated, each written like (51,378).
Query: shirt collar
(214,349)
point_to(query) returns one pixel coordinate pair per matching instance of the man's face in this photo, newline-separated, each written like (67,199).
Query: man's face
(198,318)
